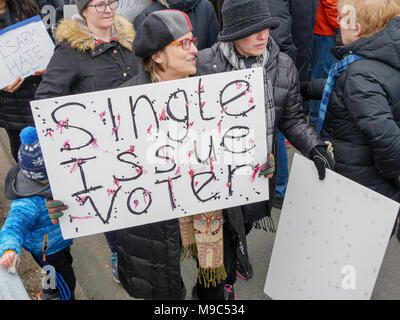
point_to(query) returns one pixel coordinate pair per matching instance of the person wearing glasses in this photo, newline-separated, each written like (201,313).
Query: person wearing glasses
(149,256)
(200,12)
(93,52)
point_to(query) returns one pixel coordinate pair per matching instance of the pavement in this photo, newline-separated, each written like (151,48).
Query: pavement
(93,271)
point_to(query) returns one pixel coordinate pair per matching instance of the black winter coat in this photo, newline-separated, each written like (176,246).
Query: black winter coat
(283,34)
(80,64)
(303,15)
(149,255)
(200,12)
(15,109)
(363,116)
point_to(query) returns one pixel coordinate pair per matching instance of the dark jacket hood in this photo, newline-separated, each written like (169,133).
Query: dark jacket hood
(183,5)
(18,186)
(383,46)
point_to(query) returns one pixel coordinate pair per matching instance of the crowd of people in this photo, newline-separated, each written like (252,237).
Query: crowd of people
(330,80)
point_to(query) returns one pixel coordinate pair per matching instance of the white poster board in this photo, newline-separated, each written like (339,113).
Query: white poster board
(132,156)
(25,47)
(131,8)
(331,238)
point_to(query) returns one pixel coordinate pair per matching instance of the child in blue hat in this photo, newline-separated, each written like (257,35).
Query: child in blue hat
(32,221)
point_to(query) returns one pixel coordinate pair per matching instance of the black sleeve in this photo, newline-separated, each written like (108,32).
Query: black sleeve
(60,74)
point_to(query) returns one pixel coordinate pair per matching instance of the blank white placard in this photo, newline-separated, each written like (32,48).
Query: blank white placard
(331,238)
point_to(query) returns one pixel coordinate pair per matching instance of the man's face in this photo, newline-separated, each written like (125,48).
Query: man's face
(254,44)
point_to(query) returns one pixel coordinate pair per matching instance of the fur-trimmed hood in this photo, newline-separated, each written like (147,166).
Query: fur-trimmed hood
(76,33)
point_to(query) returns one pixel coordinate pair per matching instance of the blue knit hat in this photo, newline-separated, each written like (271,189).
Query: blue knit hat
(30,157)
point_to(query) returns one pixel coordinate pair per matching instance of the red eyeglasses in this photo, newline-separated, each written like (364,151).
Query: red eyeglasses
(185,43)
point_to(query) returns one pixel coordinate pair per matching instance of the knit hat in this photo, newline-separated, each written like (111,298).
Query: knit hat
(30,158)
(158,30)
(81,4)
(242,18)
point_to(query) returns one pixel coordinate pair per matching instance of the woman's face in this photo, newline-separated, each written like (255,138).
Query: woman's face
(178,62)
(253,45)
(97,19)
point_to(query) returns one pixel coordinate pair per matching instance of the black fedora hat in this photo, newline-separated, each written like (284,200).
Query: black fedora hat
(242,18)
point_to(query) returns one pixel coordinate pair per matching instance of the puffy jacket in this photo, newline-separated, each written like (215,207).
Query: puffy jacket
(326,21)
(82,64)
(200,12)
(28,220)
(363,116)
(149,255)
(15,110)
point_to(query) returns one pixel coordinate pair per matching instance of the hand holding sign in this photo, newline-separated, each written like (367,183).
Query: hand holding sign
(14,86)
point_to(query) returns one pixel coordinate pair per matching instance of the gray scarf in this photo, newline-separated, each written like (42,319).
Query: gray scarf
(239,63)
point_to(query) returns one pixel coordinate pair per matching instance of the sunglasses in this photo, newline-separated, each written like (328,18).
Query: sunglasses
(185,43)
(102,6)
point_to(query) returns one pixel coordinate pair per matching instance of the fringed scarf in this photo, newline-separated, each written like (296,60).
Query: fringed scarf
(202,240)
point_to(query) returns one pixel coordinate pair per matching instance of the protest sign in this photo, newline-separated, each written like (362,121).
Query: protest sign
(331,238)
(25,47)
(142,154)
(131,8)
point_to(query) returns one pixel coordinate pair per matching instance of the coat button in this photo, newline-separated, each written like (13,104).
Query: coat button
(125,74)
(115,51)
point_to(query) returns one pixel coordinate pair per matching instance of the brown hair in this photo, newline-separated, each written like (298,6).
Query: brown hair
(151,66)
(372,15)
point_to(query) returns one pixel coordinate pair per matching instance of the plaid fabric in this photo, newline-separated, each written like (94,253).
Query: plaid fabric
(334,73)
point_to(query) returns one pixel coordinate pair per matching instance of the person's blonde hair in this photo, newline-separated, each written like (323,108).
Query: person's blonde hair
(372,15)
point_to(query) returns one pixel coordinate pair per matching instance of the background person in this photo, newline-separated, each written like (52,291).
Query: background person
(200,12)
(93,52)
(15,110)
(324,41)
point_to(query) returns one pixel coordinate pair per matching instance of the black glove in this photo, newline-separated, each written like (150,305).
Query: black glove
(323,158)
(304,90)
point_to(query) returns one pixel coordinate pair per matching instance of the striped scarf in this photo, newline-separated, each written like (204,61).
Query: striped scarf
(334,74)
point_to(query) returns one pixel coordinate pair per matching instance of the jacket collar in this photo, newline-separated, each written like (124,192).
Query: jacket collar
(78,36)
